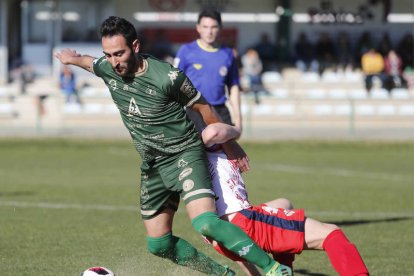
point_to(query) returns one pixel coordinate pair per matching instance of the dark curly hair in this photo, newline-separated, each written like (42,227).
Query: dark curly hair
(115,25)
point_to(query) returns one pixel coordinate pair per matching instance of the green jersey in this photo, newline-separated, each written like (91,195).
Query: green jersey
(151,105)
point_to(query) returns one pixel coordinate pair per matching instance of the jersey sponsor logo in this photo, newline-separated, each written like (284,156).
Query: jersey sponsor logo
(182,163)
(223,71)
(197,66)
(133,109)
(112,83)
(144,195)
(270,209)
(156,136)
(173,76)
(188,184)
(289,213)
(188,89)
(245,250)
(129,88)
(186,172)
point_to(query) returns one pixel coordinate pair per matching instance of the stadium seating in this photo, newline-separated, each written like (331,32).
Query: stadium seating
(292,98)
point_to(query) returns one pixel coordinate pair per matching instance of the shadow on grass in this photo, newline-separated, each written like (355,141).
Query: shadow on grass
(19,193)
(307,272)
(366,221)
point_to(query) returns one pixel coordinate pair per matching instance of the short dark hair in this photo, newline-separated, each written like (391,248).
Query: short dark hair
(211,13)
(115,25)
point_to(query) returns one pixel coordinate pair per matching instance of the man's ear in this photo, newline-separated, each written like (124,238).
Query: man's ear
(136,45)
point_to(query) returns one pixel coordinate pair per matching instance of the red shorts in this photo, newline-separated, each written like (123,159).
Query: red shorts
(274,230)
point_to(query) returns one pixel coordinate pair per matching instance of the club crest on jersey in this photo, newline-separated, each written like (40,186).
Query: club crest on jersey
(188,89)
(223,71)
(133,108)
(197,66)
(173,76)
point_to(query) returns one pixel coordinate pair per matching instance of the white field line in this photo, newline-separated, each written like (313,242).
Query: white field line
(47,205)
(334,172)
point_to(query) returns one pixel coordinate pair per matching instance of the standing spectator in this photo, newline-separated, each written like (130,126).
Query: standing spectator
(305,54)
(384,45)
(325,52)
(267,52)
(405,50)
(393,72)
(372,64)
(22,73)
(344,52)
(212,68)
(252,69)
(67,81)
(363,45)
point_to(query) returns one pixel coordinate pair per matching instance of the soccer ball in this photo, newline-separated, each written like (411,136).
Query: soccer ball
(96,271)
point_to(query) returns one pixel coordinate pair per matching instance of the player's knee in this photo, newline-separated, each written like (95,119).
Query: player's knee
(331,227)
(160,246)
(206,224)
(283,203)
(286,203)
(328,228)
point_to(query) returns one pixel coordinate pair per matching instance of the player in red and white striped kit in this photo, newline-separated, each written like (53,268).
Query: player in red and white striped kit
(274,226)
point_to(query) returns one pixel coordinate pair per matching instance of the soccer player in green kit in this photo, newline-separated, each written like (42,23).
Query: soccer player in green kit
(151,96)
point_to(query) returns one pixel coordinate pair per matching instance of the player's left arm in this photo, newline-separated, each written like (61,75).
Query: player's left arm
(235,103)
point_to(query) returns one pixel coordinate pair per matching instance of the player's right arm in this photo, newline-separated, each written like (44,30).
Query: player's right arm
(71,57)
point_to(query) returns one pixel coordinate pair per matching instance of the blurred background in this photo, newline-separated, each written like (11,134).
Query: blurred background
(314,82)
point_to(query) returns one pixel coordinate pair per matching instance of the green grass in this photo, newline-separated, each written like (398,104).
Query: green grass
(66,205)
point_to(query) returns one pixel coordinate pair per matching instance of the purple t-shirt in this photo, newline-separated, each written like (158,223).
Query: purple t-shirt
(210,71)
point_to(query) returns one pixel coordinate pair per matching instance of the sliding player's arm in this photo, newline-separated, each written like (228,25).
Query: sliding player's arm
(219,133)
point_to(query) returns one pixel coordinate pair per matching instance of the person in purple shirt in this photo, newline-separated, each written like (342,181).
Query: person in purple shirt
(212,68)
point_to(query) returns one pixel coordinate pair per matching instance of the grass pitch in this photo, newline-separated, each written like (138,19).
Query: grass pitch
(66,205)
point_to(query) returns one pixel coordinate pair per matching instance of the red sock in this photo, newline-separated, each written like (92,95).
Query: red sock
(344,256)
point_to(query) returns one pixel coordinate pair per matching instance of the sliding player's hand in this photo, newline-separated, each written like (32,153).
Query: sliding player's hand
(235,153)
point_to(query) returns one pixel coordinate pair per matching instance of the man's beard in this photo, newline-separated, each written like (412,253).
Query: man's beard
(129,70)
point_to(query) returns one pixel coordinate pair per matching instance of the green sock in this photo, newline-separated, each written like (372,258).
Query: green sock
(233,238)
(183,253)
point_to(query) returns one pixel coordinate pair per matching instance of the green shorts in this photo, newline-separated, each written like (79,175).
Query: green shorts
(185,175)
